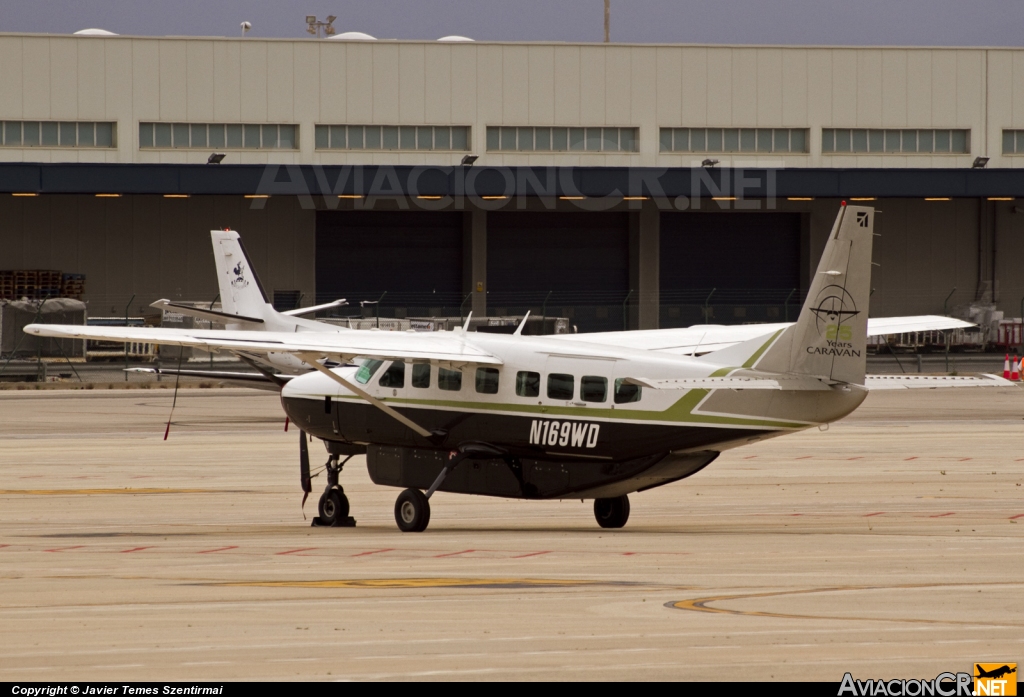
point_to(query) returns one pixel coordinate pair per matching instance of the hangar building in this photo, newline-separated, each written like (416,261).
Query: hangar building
(620,185)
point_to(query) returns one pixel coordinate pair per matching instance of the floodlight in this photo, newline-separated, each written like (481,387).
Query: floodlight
(215,159)
(979,163)
(709,163)
(310,19)
(330,18)
(468,160)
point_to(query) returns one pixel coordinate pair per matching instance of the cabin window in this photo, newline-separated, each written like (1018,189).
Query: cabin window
(593,388)
(450,380)
(560,386)
(394,376)
(487,380)
(421,375)
(366,370)
(625,392)
(527,384)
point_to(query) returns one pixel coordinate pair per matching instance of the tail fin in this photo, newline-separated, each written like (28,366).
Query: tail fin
(241,292)
(829,339)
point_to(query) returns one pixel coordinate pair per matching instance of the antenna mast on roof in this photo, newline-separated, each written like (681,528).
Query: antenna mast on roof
(607,21)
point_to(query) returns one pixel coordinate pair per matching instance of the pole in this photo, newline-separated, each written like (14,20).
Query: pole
(126,308)
(212,303)
(378,307)
(625,322)
(607,21)
(787,302)
(944,312)
(544,312)
(707,307)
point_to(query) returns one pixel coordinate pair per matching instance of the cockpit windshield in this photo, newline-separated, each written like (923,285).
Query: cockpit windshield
(367,369)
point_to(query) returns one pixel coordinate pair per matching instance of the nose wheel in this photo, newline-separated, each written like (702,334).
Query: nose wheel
(612,513)
(412,511)
(333,507)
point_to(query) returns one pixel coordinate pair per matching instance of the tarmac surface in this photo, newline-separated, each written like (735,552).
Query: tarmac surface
(890,546)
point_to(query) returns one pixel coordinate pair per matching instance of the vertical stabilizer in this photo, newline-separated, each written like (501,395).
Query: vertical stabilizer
(241,292)
(829,340)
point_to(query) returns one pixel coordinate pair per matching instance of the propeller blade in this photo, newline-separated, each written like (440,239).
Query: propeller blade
(307,485)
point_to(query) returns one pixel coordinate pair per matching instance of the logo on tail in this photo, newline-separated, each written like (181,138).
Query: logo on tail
(239,280)
(833,307)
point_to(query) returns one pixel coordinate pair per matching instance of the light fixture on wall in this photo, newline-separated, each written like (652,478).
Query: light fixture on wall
(709,163)
(979,163)
(215,159)
(468,160)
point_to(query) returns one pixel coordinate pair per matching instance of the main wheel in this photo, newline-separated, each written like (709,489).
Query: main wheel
(333,507)
(412,511)
(612,513)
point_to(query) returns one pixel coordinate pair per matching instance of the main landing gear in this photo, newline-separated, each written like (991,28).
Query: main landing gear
(612,513)
(333,506)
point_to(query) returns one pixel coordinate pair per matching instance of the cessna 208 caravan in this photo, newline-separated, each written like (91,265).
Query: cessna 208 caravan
(571,416)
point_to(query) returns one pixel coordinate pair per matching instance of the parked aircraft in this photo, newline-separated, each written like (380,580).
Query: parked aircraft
(541,417)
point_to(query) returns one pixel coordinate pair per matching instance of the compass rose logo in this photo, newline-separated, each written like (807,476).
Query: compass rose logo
(833,307)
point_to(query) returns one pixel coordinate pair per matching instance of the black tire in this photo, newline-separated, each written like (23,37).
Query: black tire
(612,513)
(333,507)
(412,511)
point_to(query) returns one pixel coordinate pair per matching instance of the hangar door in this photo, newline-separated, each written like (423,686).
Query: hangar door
(573,264)
(412,258)
(729,268)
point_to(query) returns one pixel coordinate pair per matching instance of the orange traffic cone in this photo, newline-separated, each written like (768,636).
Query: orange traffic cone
(1006,367)
(1014,374)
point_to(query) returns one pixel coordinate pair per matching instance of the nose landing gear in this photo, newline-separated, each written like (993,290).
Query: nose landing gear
(333,506)
(612,513)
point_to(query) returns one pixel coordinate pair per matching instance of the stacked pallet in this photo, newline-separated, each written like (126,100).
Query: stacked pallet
(72,285)
(40,284)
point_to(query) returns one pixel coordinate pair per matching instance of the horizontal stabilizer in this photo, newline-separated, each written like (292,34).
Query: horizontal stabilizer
(314,308)
(776,382)
(213,315)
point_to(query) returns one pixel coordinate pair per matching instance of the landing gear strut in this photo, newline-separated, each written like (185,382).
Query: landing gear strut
(333,506)
(612,513)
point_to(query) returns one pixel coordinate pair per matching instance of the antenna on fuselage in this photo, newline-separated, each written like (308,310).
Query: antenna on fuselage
(519,329)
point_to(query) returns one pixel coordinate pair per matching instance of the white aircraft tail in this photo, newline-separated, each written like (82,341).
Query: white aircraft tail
(241,292)
(829,339)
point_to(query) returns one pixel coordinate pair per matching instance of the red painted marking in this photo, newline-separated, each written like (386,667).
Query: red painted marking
(1014,517)
(628,554)
(941,515)
(965,459)
(793,515)
(805,457)
(63,549)
(293,551)
(531,554)
(910,458)
(134,549)
(750,457)
(871,514)
(219,549)
(859,457)
(374,551)
(32,476)
(454,554)
(1019,459)
(2,546)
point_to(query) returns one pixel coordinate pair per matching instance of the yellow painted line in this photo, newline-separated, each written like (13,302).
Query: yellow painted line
(415,583)
(702,604)
(90,492)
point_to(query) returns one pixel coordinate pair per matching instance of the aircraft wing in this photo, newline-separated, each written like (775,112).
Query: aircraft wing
(448,347)
(910,382)
(708,338)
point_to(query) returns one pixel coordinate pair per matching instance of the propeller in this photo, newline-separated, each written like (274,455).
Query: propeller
(307,484)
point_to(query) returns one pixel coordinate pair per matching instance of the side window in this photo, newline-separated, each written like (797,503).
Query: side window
(527,384)
(366,370)
(593,388)
(394,376)
(421,375)
(487,380)
(560,386)
(625,393)
(450,380)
